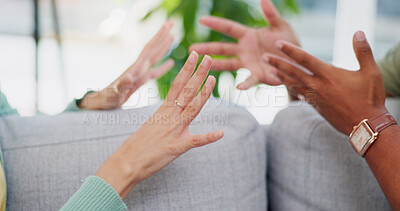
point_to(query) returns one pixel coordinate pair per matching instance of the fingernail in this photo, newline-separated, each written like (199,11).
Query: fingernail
(218,134)
(202,19)
(279,44)
(192,57)
(208,82)
(360,36)
(170,22)
(207,60)
(277,78)
(266,59)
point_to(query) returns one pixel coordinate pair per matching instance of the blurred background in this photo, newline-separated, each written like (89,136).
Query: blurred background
(84,45)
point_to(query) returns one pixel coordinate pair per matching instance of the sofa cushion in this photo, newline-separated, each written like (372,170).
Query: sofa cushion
(46,157)
(312,166)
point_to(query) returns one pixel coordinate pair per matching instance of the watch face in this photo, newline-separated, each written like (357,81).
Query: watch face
(360,137)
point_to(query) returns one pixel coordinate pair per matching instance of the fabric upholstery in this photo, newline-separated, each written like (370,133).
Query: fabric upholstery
(46,157)
(312,166)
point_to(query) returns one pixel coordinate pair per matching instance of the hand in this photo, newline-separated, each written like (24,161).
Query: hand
(343,97)
(165,136)
(252,44)
(118,92)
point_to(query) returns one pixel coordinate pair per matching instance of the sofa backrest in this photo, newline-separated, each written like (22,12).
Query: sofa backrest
(312,166)
(46,157)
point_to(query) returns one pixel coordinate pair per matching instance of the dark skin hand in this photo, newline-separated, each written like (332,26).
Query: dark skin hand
(345,98)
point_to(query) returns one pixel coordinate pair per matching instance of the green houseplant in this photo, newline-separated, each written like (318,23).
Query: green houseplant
(189,11)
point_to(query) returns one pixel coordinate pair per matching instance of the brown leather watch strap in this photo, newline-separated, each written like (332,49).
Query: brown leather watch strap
(381,122)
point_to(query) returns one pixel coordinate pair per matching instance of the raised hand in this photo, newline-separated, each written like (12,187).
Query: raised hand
(165,136)
(343,97)
(252,44)
(118,92)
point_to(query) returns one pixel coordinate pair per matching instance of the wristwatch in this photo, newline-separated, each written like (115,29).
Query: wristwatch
(365,133)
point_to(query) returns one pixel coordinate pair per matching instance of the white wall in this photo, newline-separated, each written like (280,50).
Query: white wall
(351,16)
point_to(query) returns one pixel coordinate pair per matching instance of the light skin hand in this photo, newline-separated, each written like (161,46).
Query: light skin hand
(165,136)
(252,44)
(136,75)
(345,98)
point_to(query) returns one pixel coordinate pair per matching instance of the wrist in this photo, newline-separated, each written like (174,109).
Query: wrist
(120,174)
(366,133)
(368,114)
(90,101)
(384,139)
(105,99)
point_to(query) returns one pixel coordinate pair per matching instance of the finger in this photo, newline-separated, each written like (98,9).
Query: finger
(140,69)
(204,139)
(183,77)
(138,83)
(125,90)
(363,51)
(272,79)
(306,60)
(290,69)
(125,96)
(226,64)
(194,84)
(294,88)
(161,70)
(128,87)
(164,30)
(194,108)
(214,48)
(249,82)
(299,92)
(134,85)
(225,26)
(156,73)
(271,13)
(157,38)
(162,50)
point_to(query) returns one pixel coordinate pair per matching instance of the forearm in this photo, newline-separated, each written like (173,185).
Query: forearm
(91,101)
(107,189)
(82,103)
(119,173)
(105,99)
(383,157)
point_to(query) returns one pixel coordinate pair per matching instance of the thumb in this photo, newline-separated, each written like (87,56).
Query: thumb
(161,70)
(249,82)
(363,51)
(271,13)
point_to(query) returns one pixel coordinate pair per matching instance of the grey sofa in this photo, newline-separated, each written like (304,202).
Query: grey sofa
(311,166)
(46,157)
(298,163)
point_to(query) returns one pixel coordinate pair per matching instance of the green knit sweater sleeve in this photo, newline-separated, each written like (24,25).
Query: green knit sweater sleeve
(73,106)
(95,194)
(390,68)
(5,108)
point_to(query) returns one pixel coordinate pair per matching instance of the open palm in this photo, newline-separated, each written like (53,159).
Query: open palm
(119,91)
(252,44)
